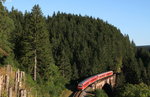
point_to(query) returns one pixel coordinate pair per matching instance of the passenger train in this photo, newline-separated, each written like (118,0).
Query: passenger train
(85,83)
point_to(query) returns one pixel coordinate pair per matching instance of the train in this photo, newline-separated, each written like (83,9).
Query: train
(88,81)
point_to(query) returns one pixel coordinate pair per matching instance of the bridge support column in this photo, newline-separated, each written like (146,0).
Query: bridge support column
(113,80)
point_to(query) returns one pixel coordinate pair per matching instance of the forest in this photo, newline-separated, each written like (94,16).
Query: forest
(60,50)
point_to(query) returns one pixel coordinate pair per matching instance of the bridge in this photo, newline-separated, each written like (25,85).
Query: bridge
(107,84)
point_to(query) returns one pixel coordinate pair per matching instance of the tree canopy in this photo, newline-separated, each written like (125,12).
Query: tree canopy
(66,48)
(140,90)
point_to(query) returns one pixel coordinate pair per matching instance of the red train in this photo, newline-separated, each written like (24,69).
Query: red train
(85,83)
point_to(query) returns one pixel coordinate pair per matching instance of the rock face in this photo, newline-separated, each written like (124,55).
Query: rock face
(12,84)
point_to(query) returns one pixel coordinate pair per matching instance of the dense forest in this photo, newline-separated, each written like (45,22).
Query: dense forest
(60,50)
(144,47)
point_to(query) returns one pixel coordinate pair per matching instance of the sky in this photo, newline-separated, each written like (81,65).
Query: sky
(132,17)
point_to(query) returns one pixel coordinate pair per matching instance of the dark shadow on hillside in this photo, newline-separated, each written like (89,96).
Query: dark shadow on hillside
(108,89)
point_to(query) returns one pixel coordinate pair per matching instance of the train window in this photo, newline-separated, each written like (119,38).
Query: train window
(86,83)
(94,79)
(80,85)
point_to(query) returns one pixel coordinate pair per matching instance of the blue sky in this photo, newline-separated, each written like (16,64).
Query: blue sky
(132,17)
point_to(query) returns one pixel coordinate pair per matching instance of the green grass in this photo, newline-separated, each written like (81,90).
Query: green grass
(66,93)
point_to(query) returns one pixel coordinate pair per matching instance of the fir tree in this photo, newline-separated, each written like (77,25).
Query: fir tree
(37,50)
(6,27)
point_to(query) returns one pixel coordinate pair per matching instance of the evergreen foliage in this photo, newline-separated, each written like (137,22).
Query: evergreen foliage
(67,48)
(35,43)
(88,44)
(6,27)
(17,34)
(143,56)
(139,90)
(100,93)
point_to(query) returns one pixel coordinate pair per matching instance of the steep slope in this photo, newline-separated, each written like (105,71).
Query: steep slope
(83,46)
(13,83)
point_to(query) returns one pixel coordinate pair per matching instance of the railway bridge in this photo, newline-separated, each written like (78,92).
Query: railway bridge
(106,83)
(111,81)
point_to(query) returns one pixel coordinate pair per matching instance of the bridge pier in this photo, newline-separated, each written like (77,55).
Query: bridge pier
(99,84)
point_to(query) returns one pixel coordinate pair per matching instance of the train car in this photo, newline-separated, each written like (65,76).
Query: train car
(105,74)
(85,83)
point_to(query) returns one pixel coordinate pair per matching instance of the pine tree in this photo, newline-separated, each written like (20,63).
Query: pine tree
(6,27)
(64,66)
(17,33)
(36,53)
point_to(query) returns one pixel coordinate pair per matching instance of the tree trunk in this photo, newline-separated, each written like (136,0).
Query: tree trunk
(7,82)
(1,81)
(23,93)
(10,92)
(17,78)
(35,65)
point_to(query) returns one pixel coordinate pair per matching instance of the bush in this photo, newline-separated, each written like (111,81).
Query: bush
(100,93)
(137,90)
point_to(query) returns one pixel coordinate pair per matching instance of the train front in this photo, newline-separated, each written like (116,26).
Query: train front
(80,87)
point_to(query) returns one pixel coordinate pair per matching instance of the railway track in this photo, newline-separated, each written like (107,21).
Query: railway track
(82,93)
(77,94)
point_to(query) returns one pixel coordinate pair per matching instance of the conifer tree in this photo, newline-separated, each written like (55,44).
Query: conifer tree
(6,26)
(64,66)
(37,50)
(17,33)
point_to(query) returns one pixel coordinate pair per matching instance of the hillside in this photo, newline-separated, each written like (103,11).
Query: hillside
(60,50)
(14,83)
(145,47)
